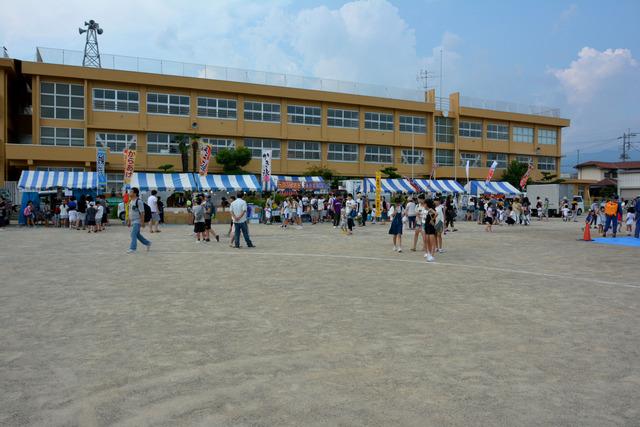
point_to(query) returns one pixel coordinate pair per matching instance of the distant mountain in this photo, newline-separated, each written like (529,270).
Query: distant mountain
(611,155)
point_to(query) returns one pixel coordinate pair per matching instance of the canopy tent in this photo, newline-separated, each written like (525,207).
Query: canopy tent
(389,185)
(492,187)
(46,180)
(146,181)
(439,185)
(227,183)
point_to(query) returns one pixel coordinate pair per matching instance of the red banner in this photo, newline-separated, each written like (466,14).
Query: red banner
(492,170)
(205,156)
(525,177)
(290,185)
(129,164)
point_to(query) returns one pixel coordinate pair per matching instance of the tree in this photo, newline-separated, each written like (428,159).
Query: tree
(194,146)
(233,159)
(391,172)
(166,167)
(326,173)
(514,173)
(183,147)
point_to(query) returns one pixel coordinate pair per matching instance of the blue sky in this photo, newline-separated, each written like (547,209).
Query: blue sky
(580,56)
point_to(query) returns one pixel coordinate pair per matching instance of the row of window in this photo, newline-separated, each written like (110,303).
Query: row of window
(164,143)
(446,158)
(500,132)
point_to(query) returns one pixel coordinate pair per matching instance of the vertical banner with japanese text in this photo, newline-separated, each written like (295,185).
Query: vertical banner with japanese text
(525,177)
(492,170)
(205,156)
(101,159)
(129,164)
(265,170)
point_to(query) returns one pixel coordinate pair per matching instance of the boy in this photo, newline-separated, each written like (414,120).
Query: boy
(198,220)
(565,213)
(90,218)
(99,215)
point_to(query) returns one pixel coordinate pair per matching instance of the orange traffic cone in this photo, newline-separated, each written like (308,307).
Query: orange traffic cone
(587,233)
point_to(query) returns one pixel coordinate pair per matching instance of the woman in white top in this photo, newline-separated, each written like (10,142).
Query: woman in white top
(421,214)
(286,212)
(64,215)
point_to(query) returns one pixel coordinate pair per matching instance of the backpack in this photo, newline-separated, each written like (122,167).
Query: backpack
(147,211)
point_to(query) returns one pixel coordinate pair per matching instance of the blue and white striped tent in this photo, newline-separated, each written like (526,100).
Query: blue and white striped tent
(493,187)
(439,185)
(47,180)
(227,183)
(389,185)
(146,181)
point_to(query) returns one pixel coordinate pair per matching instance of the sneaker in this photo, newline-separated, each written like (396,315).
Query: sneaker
(148,247)
(399,250)
(207,240)
(430,259)
(441,251)
(426,255)
(131,251)
(395,249)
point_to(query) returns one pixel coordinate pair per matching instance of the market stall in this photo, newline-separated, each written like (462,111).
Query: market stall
(147,181)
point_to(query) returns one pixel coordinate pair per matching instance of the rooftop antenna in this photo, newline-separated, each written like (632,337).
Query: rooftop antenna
(5,52)
(91,51)
(423,77)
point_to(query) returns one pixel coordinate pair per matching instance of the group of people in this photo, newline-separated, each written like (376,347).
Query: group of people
(614,214)
(490,211)
(84,213)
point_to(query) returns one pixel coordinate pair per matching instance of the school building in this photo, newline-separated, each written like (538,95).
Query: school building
(55,112)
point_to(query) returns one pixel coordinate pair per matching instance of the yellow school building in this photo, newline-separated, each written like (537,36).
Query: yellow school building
(54,115)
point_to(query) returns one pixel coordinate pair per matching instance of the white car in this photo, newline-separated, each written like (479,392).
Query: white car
(121,214)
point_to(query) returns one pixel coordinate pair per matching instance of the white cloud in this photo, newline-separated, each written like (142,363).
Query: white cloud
(593,68)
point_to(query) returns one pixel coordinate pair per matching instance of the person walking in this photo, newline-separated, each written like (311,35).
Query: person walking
(239,217)
(199,227)
(421,213)
(152,201)
(411,213)
(429,222)
(396,214)
(439,224)
(82,212)
(362,209)
(337,208)
(351,207)
(209,212)
(136,221)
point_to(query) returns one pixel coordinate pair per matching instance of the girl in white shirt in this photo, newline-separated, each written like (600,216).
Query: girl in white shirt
(64,215)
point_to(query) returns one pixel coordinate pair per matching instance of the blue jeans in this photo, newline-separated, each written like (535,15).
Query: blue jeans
(608,222)
(241,227)
(135,236)
(636,234)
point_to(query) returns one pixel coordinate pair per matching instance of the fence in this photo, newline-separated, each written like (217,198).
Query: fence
(509,107)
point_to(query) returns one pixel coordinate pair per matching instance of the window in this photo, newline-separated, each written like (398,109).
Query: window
(303,150)
(115,181)
(521,134)
(116,142)
(501,158)
(412,157)
(58,169)
(342,118)
(218,144)
(163,143)
(342,152)
(256,145)
(444,157)
(444,130)
(498,131)
(523,159)
(378,154)
(470,129)
(261,112)
(217,108)
(473,158)
(65,137)
(378,121)
(547,136)
(162,103)
(61,101)
(546,163)
(116,100)
(413,124)
(303,115)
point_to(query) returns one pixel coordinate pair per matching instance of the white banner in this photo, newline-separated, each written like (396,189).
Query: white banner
(265,170)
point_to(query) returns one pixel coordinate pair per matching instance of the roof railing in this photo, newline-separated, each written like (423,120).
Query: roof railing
(509,107)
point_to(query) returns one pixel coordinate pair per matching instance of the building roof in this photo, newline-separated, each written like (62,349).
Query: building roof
(610,165)
(607,182)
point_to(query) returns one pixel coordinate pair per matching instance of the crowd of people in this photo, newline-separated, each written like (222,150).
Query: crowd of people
(84,213)
(612,214)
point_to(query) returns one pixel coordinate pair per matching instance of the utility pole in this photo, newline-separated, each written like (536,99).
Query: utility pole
(626,144)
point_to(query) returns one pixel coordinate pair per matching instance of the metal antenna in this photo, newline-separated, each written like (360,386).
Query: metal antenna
(91,51)
(423,77)
(5,52)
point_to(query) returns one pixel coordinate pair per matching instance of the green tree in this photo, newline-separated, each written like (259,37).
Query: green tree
(391,172)
(166,167)
(183,147)
(514,172)
(233,159)
(326,173)
(195,140)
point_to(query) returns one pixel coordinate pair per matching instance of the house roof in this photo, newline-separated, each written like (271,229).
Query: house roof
(607,182)
(610,165)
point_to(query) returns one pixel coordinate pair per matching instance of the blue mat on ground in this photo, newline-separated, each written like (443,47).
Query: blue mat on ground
(618,241)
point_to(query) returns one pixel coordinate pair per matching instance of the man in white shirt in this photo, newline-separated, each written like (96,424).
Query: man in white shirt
(239,217)
(152,201)
(411,213)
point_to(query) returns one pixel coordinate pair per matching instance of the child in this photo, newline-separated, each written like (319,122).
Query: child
(91,218)
(631,219)
(396,215)
(286,213)
(429,220)
(28,213)
(64,214)
(488,218)
(373,215)
(99,215)
(198,220)
(565,213)
(267,214)
(343,221)
(600,220)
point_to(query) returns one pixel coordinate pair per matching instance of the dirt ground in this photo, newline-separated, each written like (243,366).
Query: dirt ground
(523,326)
